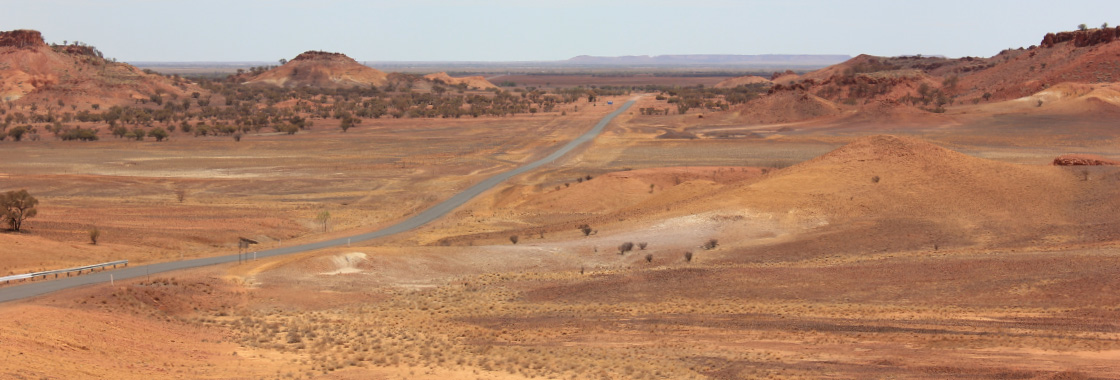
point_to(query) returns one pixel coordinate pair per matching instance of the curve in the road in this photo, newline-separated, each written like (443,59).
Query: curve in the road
(39,288)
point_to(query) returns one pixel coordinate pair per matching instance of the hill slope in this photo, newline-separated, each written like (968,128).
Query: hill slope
(867,84)
(32,71)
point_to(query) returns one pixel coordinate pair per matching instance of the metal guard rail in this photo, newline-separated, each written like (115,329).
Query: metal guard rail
(56,272)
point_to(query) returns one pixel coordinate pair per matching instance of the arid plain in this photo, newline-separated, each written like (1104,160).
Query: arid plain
(799,234)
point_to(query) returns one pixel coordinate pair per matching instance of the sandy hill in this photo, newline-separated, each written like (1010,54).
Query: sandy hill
(322,70)
(1082,100)
(32,71)
(889,181)
(743,81)
(786,106)
(474,82)
(619,190)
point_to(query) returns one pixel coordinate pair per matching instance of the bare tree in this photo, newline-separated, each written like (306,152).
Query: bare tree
(323,218)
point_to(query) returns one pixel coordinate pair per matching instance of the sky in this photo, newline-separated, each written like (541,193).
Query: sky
(527,30)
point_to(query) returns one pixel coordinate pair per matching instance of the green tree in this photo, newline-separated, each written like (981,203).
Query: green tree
(18,132)
(16,207)
(120,131)
(158,133)
(349,122)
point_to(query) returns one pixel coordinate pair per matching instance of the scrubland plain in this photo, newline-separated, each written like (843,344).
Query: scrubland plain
(798,234)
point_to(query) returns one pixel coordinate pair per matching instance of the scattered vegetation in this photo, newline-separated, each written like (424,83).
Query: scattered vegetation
(227,108)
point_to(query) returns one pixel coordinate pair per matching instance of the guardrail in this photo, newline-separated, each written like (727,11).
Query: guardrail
(56,272)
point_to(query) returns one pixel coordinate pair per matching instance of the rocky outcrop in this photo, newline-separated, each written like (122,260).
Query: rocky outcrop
(22,38)
(318,55)
(1082,38)
(1083,160)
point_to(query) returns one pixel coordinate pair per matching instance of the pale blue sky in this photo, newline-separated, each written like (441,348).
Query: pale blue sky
(522,30)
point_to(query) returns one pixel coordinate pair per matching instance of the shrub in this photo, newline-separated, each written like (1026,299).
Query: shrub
(688,256)
(642,245)
(513,239)
(875,179)
(711,244)
(94,233)
(625,247)
(17,133)
(586,229)
(649,257)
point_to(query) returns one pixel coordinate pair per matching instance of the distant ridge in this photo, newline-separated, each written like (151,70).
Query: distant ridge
(715,59)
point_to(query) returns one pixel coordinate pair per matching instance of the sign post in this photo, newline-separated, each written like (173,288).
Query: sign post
(242,245)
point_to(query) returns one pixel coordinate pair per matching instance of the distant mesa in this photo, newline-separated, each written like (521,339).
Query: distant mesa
(321,69)
(475,82)
(761,60)
(75,73)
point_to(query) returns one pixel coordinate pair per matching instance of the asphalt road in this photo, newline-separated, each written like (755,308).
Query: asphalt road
(41,287)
